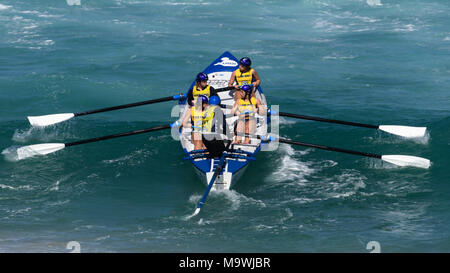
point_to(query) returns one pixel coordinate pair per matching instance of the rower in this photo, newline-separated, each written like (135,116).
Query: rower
(244,75)
(213,135)
(201,120)
(246,108)
(201,87)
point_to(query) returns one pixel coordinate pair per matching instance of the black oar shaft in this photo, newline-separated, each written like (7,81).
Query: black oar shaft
(117,135)
(282,140)
(126,106)
(225,89)
(135,104)
(328,120)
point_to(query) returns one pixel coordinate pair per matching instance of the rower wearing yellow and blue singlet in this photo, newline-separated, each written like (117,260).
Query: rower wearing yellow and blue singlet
(201,120)
(201,87)
(246,109)
(244,75)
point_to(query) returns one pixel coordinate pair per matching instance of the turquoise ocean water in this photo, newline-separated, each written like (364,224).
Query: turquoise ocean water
(369,61)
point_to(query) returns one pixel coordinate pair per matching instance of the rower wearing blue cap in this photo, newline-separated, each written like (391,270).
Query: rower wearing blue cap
(201,120)
(201,87)
(246,108)
(244,75)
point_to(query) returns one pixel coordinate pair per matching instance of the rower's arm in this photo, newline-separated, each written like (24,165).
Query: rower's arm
(190,97)
(260,107)
(257,81)
(234,109)
(186,118)
(232,79)
(213,92)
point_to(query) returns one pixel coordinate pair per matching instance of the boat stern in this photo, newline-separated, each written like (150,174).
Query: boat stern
(223,181)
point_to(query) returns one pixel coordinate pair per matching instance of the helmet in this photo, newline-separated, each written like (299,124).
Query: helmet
(246,61)
(202,77)
(246,88)
(203,98)
(214,100)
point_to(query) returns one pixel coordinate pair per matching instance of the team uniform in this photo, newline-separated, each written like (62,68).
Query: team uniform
(243,78)
(193,93)
(247,109)
(202,121)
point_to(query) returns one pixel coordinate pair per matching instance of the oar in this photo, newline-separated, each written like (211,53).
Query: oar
(217,171)
(57,118)
(47,148)
(400,130)
(399,160)
(47,120)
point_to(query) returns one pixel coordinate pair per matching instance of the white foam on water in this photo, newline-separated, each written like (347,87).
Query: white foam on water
(30,12)
(203,222)
(47,42)
(4,7)
(58,182)
(23,136)
(290,168)
(73,2)
(344,185)
(195,198)
(102,238)
(327,26)
(134,158)
(262,227)
(374,3)
(422,140)
(327,163)
(8,187)
(59,203)
(288,216)
(265,67)
(30,27)
(407,219)
(337,57)
(123,158)
(43,134)
(13,213)
(405,28)
(299,200)
(394,139)
(10,154)
(237,199)
(89,227)
(339,186)
(350,15)
(286,121)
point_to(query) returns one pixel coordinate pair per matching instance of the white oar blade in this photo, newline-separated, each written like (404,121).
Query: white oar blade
(38,149)
(407,160)
(404,131)
(197,211)
(47,120)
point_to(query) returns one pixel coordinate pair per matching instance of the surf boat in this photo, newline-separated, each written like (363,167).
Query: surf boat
(239,156)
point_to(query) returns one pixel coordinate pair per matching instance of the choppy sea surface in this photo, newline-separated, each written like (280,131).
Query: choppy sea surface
(368,61)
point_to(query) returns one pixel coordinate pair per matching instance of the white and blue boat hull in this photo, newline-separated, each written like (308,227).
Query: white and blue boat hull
(219,73)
